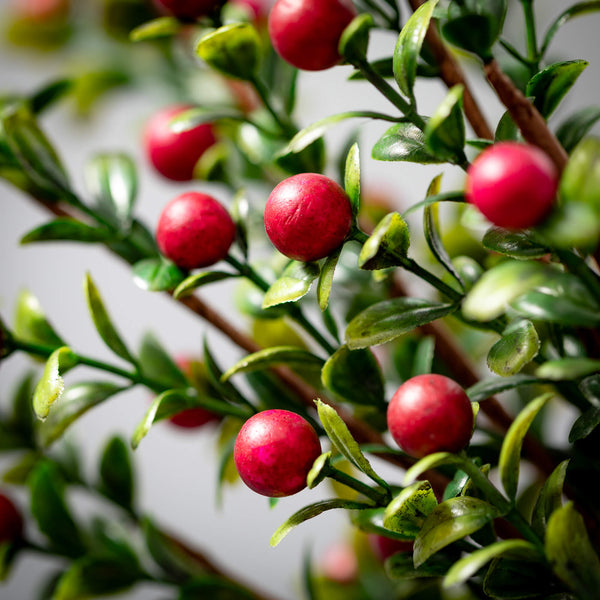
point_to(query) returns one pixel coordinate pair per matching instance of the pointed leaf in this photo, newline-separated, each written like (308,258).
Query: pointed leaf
(214,373)
(568,368)
(156,28)
(572,11)
(295,282)
(354,41)
(319,470)
(549,498)
(116,473)
(193,282)
(486,388)
(387,320)
(509,461)
(516,244)
(30,322)
(585,424)
(326,279)
(400,566)
(407,512)
(431,461)
(66,229)
(352,178)
(404,142)
(445,129)
(575,127)
(387,245)
(519,344)
(47,95)
(157,275)
(157,364)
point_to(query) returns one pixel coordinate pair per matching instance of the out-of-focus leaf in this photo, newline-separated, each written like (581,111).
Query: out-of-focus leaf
(549,499)
(31,324)
(574,128)
(157,275)
(66,229)
(156,28)
(116,472)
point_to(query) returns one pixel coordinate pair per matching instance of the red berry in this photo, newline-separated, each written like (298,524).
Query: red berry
(513,185)
(189,9)
(307,216)
(430,413)
(306,33)
(194,230)
(174,155)
(383,547)
(274,451)
(11,521)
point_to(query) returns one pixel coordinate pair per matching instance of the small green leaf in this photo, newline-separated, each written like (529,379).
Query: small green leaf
(388,319)
(157,364)
(581,177)
(549,498)
(563,369)
(549,86)
(294,283)
(431,461)
(355,376)
(509,578)
(30,323)
(342,439)
(408,48)
(445,129)
(116,473)
(516,244)
(574,10)
(319,470)
(486,388)
(387,246)
(506,129)
(571,554)
(465,568)
(232,49)
(355,38)
(509,461)
(585,424)
(313,510)
(352,178)
(155,29)
(49,94)
(193,282)
(407,512)
(275,355)
(404,142)
(157,275)
(519,344)
(73,403)
(164,406)
(66,229)
(51,385)
(423,356)
(103,322)
(400,566)
(574,128)
(326,279)
(214,373)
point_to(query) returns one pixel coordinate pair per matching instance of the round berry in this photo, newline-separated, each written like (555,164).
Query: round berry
(11,521)
(430,413)
(274,452)
(339,563)
(306,33)
(194,230)
(512,184)
(175,154)
(307,216)
(189,9)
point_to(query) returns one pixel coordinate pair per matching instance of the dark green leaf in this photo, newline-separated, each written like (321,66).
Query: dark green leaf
(46,96)
(404,142)
(157,275)
(214,587)
(549,498)
(400,566)
(450,521)
(519,344)
(157,364)
(507,578)
(486,388)
(445,129)
(407,512)
(574,128)
(563,369)
(549,86)
(509,461)
(516,244)
(387,246)
(506,129)
(193,282)
(8,553)
(585,424)
(573,11)
(156,28)
(355,38)
(571,554)
(116,473)
(355,376)
(295,282)
(22,419)
(386,320)
(66,229)
(214,374)
(30,323)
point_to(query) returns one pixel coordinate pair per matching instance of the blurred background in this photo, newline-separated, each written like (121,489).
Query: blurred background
(177,470)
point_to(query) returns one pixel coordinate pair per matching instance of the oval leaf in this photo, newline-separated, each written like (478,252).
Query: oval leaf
(404,142)
(519,344)
(295,282)
(445,129)
(549,498)
(157,275)
(516,244)
(116,473)
(66,229)
(30,323)
(574,128)
(562,309)
(407,512)
(193,282)
(563,369)
(387,245)
(487,388)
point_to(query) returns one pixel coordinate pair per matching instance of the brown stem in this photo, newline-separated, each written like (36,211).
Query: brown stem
(528,119)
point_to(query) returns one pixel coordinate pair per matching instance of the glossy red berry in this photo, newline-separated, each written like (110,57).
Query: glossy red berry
(11,521)
(430,413)
(306,33)
(307,216)
(175,154)
(189,9)
(512,184)
(194,230)
(274,452)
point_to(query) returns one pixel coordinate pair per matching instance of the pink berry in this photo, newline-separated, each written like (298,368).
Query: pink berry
(513,185)
(194,230)
(306,33)
(174,155)
(274,452)
(307,216)
(430,413)
(11,521)
(340,563)
(189,9)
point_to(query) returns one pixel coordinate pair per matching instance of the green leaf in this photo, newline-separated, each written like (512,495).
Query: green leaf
(581,178)
(215,587)
(51,385)
(450,521)
(156,363)
(50,511)
(423,356)
(445,129)
(573,11)
(8,553)
(355,376)
(294,283)
(352,178)
(157,275)
(404,142)
(508,578)
(408,48)
(116,473)
(155,29)
(313,510)
(326,278)
(103,322)
(232,49)
(193,282)
(563,369)
(571,554)
(111,179)
(75,401)
(275,355)
(549,499)
(585,424)
(342,439)
(214,373)
(387,246)
(407,512)
(486,388)
(431,461)
(465,568)
(509,461)
(506,129)
(66,229)
(48,94)
(574,128)
(319,470)
(549,86)
(388,319)
(516,244)
(355,38)
(572,224)
(400,566)
(519,344)
(30,323)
